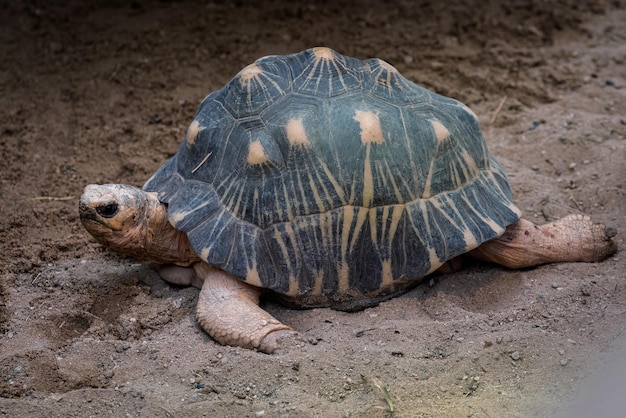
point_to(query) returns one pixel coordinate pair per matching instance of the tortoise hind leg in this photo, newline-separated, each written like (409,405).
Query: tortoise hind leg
(228,310)
(573,238)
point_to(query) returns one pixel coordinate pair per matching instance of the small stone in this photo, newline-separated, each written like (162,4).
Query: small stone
(555,285)
(515,355)
(259,413)
(563,362)
(572,166)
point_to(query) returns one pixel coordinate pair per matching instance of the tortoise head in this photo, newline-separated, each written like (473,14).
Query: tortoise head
(120,216)
(134,222)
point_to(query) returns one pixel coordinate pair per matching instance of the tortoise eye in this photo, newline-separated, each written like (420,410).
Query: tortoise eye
(108,211)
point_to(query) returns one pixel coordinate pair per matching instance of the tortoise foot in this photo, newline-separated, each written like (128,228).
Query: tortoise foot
(183,276)
(573,238)
(280,342)
(228,310)
(597,244)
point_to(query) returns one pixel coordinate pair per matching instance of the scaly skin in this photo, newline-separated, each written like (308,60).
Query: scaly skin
(573,238)
(228,309)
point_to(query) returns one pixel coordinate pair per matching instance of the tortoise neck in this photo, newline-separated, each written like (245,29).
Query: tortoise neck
(162,242)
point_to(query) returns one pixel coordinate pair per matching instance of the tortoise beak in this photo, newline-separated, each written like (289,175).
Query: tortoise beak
(86,212)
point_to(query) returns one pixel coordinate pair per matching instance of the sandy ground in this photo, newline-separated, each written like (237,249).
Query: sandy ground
(103,92)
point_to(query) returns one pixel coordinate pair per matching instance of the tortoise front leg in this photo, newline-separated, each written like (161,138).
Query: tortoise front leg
(228,310)
(573,238)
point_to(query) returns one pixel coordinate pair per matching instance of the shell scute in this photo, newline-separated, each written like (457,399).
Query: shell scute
(255,88)
(320,72)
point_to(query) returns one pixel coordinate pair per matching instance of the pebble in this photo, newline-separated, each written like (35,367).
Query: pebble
(555,285)
(563,362)
(259,413)
(515,355)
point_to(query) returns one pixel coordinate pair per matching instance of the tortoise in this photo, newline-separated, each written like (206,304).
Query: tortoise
(327,181)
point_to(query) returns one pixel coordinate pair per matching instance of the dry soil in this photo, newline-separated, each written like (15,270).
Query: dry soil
(103,91)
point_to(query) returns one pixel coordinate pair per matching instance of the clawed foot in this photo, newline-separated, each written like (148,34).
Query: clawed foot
(281,342)
(581,239)
(572,238)
(228,310)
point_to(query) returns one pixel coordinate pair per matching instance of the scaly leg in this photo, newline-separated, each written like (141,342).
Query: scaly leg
(228,310)
(573,238)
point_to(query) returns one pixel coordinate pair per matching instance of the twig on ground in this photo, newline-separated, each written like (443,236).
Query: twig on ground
(498,110)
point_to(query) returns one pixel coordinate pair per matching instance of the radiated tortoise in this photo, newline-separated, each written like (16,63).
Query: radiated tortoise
(328,181)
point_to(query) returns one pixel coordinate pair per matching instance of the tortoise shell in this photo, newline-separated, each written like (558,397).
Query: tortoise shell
(329,179)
